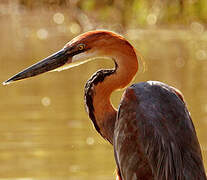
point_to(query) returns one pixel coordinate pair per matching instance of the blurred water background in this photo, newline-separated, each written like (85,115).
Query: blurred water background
(45,132)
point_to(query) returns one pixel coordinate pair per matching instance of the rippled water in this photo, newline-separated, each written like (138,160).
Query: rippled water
(45,132)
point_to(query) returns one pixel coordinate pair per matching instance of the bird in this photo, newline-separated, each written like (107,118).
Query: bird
(152,132)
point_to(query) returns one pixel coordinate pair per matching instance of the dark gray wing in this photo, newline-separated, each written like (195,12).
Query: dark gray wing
(154,137)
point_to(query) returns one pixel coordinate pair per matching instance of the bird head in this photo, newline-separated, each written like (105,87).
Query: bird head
(79,50)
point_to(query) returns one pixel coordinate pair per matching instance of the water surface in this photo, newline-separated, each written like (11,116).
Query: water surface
(45,132)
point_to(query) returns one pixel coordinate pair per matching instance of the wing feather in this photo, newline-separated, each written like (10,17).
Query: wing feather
(154,137)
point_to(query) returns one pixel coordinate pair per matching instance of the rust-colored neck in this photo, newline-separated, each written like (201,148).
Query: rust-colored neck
(103,111)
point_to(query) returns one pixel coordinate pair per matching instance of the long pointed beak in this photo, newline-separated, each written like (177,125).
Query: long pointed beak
(50,63)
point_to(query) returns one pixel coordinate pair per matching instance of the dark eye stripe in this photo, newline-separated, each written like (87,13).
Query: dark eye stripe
(74,50)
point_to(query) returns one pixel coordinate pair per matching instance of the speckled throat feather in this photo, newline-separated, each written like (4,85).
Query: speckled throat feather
(96,78)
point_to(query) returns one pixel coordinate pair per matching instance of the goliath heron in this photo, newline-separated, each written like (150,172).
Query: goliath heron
(152,132)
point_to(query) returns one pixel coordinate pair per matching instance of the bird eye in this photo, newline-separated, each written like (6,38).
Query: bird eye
(81,47)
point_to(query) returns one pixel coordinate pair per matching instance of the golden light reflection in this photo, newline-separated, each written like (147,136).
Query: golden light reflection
(197,27)
(151,19)
(40,153)
(45,101)
(75,28)
(75,124)
(42,34)
(74,168)
(205,110)
(201,54)
(58,18)
(90,140)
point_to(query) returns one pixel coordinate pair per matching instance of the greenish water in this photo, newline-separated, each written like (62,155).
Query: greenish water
(45,132)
